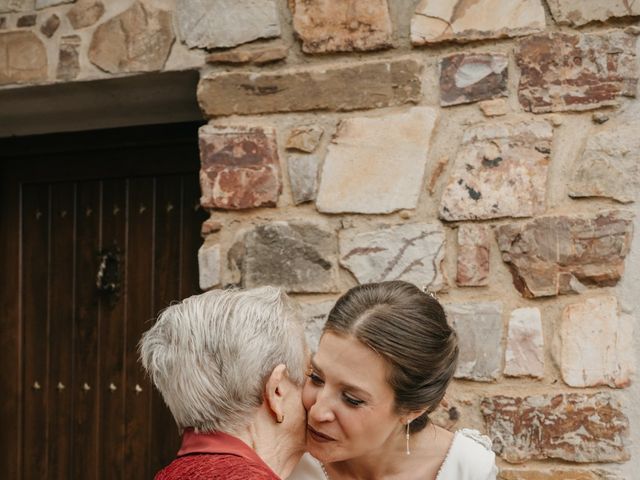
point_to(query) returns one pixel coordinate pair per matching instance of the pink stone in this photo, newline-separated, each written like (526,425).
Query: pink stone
(239,167)
(474,248)
(525,346)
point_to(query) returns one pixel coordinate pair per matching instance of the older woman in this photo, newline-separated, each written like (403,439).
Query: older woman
(230,367)
(383,364)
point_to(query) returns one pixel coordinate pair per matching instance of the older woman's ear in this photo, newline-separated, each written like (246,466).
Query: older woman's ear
(276,389)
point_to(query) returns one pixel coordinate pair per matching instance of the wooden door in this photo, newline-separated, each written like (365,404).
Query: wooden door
(98,232)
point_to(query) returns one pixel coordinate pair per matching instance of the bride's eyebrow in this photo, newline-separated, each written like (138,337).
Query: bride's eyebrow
(347,386)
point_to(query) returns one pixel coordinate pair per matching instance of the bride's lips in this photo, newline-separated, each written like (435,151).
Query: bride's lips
(319,437)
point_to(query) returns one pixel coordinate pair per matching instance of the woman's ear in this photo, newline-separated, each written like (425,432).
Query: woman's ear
(275,392)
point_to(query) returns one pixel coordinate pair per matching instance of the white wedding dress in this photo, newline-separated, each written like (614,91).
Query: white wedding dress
(469,458)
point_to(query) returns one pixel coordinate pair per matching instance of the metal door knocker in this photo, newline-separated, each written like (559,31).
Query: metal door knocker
(108,276)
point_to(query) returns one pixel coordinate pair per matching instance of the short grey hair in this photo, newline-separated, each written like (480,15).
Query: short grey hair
(211,354)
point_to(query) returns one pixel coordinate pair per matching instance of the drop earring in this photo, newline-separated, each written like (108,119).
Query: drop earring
(407,437)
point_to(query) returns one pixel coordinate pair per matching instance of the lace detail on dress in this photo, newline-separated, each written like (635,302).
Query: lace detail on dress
(477,436)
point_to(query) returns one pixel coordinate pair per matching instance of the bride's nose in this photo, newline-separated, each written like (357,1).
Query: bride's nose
(322,408)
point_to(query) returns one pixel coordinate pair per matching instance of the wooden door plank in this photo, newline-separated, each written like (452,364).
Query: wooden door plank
(87,326)
(192,217)
(61,332)
(112,335)
(10,329)
(35,298)
(164,437)
(139,315)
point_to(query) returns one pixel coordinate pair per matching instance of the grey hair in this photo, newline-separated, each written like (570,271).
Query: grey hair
(211,354)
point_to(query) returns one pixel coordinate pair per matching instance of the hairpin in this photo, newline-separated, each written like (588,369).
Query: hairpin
(426,290)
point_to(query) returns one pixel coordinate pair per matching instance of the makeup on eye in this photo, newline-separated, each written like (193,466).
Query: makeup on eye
(317,380)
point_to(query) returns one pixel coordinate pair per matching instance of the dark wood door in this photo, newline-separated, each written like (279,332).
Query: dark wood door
(98,232)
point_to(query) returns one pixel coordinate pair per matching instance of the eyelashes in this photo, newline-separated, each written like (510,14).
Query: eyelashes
(317,380)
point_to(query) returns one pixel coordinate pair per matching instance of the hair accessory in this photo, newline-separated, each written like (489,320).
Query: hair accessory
(426,290)
(407,437)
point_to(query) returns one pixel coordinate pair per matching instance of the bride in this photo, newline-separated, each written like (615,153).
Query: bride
(385,359)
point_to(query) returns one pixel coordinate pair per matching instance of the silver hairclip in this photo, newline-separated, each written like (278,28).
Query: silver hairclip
(426,290)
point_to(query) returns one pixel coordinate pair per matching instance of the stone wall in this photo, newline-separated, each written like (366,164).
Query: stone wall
(489,150)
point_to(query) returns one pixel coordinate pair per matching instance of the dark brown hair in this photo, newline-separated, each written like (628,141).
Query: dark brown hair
(409,329)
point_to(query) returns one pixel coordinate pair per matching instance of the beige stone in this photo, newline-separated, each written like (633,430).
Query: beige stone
(556,474)
(524,355)
(50,3)
(226,23)
(303,177)
(137,40)
(500,171)
(596,344)
(304,138)
(85,13)
(574,427)
(23,58)
(255,54)
(474,249)
(341,87)
(412,252)
(339,26)
(8,6)
(209,266)
(377,164)
(580,12)
(460,21)
(561,254)
(493,108)
(610,164)
(479,328)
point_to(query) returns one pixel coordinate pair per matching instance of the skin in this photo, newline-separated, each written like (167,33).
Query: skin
(349,400)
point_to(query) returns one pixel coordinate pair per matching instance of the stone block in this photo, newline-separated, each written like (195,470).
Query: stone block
(580,12)
(26,21)
(610,164)
(303,177)
(69,58)
(239,167)
(226,23)
(297,256)
(411,252)
(596,344)
(561,254)
(377,164)
(474,249)
(479,328)
(500,171)
(524,355)
(209,266)
(493,108)
(574,427)
(8,6)
(23,58)
(315,316)
(339,26)
(85,13)
(565,71)
(556,474)
(373,84)
(455,20)
(254,54)
(3,23)
(470,77)
(50,26)
(304,138)
(137,40)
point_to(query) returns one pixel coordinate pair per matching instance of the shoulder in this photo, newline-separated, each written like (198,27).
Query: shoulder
(228,467)
(470,458)
(307,469)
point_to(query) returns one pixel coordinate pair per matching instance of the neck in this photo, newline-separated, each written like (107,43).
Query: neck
(273,443)
(390,460)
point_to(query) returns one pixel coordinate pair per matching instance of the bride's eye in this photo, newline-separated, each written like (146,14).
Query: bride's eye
(351,401)
(315,378)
